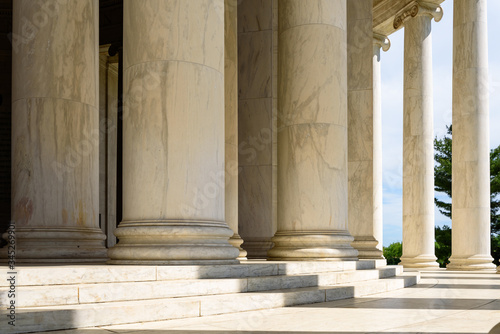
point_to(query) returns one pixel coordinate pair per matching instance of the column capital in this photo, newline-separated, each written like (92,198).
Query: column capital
(381,41)
(417,8)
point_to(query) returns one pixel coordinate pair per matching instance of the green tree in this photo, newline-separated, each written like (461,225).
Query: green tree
(393,253)
(443,245)
(495,189)
(442,183)
(442,171)
(442,178)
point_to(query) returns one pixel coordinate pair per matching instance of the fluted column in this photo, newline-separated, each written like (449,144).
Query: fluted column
(418,152)
(364,133)
(231,120)
(173,145)
(55,132)
(312,141)
(470,149)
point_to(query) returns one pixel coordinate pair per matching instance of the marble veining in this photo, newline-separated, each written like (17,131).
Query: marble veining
(470,169)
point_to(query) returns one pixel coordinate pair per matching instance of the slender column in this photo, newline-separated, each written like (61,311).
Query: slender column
(55,131)
(470,149)
(231,120)
(379,42)
(364,133)
(418,153)
(173,126)
(312,152)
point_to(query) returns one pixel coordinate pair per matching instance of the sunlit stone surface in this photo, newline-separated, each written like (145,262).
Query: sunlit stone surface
(312,138)
(418,149)
(173,145)
(471,158)
(55,134)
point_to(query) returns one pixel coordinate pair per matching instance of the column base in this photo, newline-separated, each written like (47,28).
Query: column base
(236,241)
(257,247)
(476,262)
(57,245)
(173,242)
(421,261)
(367,248)
(312,246)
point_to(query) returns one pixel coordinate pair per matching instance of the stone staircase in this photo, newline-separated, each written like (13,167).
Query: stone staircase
(64,297)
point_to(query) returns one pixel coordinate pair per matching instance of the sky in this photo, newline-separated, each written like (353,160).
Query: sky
(392,107)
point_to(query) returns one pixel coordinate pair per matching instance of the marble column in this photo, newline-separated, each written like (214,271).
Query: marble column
(418,150)
(380,42)
(55,132)
(364,133)
(173,126)
(257,124)
(470,149)
(312,138)
(231,120)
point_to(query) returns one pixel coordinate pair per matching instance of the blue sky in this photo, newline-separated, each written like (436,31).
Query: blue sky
(392,106)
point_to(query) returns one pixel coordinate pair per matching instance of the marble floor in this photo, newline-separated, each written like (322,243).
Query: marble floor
(443,302)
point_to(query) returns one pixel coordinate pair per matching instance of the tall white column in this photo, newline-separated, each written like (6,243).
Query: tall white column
(312,141)
(470,149)
(173,144)
(379,43)
(231,120)
(55,131)
(418,150)
(364,132)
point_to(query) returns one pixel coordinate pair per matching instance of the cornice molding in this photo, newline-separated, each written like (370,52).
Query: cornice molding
(381,41)
(417,8)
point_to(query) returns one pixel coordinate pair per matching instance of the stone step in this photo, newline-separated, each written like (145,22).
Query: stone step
(101,314)
(81,274)
(124,291)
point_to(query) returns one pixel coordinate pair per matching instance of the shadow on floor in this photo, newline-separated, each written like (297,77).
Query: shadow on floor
(413,304)
(461,277)
(181,331)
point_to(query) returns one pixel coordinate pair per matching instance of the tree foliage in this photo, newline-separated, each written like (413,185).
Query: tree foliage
(393,253)
(442,183)
(442,178)
(442,171)
(443,245)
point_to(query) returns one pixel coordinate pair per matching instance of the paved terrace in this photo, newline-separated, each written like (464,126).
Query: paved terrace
(443,302)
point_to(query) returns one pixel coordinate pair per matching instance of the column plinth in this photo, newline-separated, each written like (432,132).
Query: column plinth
(173,146)
(55,133)
(312,138)
(172,242)
(312,246)
(418,142)
(470,149)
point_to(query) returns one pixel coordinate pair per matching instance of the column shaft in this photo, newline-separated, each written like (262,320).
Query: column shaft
(312,138)
(231,120)
(380,42)
(55,132)
(470,149)
(418,153)
(378,196)
(257,116)
(365,175)
(173,126)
